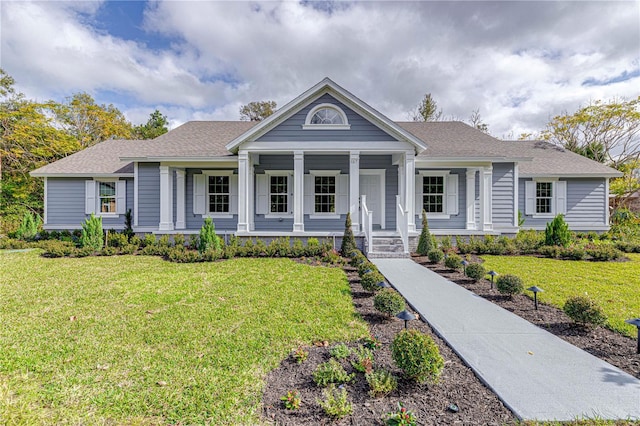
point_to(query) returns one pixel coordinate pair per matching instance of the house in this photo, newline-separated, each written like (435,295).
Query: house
(326,153)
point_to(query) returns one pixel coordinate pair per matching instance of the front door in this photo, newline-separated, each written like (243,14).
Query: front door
(372,185)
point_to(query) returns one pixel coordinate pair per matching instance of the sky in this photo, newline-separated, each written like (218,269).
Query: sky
(518,63)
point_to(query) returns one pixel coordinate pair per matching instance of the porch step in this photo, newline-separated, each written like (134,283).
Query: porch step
(387,247)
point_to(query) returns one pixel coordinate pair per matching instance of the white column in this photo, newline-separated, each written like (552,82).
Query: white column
(166,200)
(181,205)
(252,194)
(354,189)
(298,191)
(410,185)
(46,208)
(471,198)
(243,191)
(516,196)
(401,184)
(486,177)
(606,200)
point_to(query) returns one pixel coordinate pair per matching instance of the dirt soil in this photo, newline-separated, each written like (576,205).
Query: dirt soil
(601,342)
(458,385)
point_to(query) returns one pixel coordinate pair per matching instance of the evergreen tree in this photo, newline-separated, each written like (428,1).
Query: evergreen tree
(208,238)
(348,240)
(425,242)
(92,236)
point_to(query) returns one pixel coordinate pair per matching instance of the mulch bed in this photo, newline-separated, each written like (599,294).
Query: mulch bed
(601,342)
(458,385)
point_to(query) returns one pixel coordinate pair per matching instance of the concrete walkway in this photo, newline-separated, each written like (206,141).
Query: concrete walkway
(537,375)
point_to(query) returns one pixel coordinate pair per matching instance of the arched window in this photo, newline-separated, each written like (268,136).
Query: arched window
(326,117)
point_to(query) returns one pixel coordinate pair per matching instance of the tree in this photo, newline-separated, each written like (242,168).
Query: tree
(427,110)
(257,110)
(607,132)
(476,121)
(155,126)
(88,122)
(626,185)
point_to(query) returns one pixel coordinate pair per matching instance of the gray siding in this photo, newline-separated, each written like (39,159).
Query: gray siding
(149,194)
(458,221)
(291,129)
(502,194)
(194,221)
(66,203)
(586,203)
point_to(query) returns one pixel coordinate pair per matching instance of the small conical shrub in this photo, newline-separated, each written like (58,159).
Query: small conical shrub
(208,239)
(348,240)
(425,242)
(92,236)
(28,227)
(557,232)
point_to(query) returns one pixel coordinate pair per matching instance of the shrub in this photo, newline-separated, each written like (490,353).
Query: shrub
(115,239)
(363,361)
(208,239)
(135,240)
(628,247)
(193,242)
(453,261)
(300,355)
(604,253)
(552,252)
(348,240)
(128,224)
(417,355)
(313,247)
(149,240)
(381,382)
(371,342)
(333,257)
(298,248)
(445,244)
(464,247)
(83,252)
(55,248)
(529,241)
(340,351)
(336,403)
(366,267)
(92,236)
(424,242)
(557,232)
(369,281)
(389,302)
(401,417)
(435,255)
(128,249)
(584,311)
(279,247)
(180,255)
(331,372)
(357,258)
(291,400)
(509,285)
(476,271)
(178,240)
(28,228)
(108,251)
(573,253)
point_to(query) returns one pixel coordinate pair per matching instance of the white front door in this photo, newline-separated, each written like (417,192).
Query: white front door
(372,185)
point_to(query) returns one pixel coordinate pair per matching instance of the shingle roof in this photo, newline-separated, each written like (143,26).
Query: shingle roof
(207,139)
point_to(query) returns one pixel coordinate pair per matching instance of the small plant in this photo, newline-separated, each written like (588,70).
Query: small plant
(453,261)
(313,247)
(115,239)
(381,383)
(401,417)
(366,267)
(149,240)
(208,238)
(369,281)
(445,244)
(363,361)
(509,285)
(389,302)
(424,242)
(557,232)
(584,311)
(348,240)
(476,271)
(28,227)
(331,372)
(340,351)
(603,253)
(435,255)
(300,355)
(128,224)
(417,355)
(336,403)
(371,342)
(291,400)
(92,236)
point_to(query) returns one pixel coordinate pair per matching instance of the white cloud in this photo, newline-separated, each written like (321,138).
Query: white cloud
(517,62)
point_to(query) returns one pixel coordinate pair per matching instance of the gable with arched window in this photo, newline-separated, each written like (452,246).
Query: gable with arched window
(326,117)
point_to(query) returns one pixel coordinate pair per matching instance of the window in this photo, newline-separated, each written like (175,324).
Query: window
(544,196)
(433,194)
(279,194)
(326,117)
(107,197)
(218,194)
(325,194)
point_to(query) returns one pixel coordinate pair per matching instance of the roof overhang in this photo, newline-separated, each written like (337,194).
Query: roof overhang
(163,159)
(466,160)
(327,86)
(570,175)
(81,175)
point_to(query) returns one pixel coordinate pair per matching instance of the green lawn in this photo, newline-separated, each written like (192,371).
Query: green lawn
(615,285)
(138,340)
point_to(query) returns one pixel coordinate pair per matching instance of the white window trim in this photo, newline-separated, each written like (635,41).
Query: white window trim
(289,174)
(214,215)
(553,198)
(307,122)
(316,215)
(438,173)
(97,182)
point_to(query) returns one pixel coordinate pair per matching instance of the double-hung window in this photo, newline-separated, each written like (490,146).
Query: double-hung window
(437,193)
(279,194)
(105,197)
(544,197)
(324,194)
(433,194)
(215,193)
(218,194)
